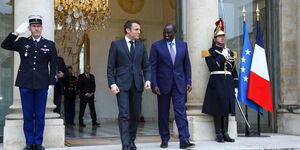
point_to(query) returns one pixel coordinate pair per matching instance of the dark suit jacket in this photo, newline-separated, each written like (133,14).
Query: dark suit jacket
(122,69)
(86,85)
(33,72)
(163,70)
(61,66)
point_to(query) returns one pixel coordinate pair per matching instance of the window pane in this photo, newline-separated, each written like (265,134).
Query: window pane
(6,61)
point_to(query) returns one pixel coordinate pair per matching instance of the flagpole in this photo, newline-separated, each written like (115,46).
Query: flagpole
(258,115)
(247,133)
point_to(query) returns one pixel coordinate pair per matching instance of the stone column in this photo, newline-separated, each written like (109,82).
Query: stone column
(288,114)
(200,19)
(54,133)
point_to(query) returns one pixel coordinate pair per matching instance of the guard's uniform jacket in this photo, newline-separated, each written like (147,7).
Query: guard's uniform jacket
(220,95)
(70,84)
(33,72)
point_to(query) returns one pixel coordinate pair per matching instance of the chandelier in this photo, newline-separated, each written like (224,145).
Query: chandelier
(81,15)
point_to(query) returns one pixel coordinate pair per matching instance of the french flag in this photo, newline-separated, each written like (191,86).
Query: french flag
(259,88)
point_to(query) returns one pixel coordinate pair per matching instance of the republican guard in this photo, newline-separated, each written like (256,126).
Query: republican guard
(219,98)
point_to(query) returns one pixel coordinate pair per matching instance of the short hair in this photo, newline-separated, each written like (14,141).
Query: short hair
(70,67)
(173,26)
(129,23)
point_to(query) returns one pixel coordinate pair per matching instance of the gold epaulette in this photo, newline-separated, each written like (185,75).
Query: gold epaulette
(235,55)
(205,53)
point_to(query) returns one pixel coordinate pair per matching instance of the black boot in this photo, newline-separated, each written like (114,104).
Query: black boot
(218,128)
(227,138)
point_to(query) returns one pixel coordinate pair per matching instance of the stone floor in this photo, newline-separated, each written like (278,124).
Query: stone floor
(275,141)
(106,137)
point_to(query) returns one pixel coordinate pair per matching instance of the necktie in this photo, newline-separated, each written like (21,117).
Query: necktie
(132,51)
(172,52)
(88,76)
(35,43)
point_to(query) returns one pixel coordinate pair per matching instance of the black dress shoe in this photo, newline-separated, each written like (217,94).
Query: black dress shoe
(28,147)
(96,124)
(81,124)
(164,144)
(132,145)
(39,147)
(186,144)
(227,138)
(125,148)
(220,138)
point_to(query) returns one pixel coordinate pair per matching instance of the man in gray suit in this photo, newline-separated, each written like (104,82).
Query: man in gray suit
(127,65)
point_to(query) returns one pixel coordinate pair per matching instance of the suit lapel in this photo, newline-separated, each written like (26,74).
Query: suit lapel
(178,48)
(125,48)
(136,49)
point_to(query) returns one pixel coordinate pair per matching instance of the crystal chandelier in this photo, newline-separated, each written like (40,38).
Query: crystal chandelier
(81,15)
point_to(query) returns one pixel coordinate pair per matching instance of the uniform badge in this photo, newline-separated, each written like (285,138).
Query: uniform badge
(25,54)
(27,46)
(45,46)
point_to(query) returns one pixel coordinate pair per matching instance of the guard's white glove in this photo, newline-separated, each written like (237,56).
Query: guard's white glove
(225,53)
(50,88)
(22,28)
(236,92)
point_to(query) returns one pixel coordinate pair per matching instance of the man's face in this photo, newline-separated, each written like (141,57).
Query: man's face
(169,33)
(220,40)
(87,69)
(36,30)
(134,32)
(70,70)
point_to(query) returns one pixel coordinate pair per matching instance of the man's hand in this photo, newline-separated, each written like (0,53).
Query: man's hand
(189,88)
(60,74)
(147,85)
(22,28)
(156,91)
(114,89)
(225,53)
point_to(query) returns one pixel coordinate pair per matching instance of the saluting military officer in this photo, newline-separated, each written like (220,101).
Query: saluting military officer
(219,98)
(34,78)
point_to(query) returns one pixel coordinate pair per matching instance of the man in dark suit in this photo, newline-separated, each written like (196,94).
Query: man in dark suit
(87,86)
(171,78)
(61,72)
(34,78)
(127,66)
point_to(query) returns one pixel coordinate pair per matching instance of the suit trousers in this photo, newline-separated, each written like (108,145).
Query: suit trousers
(33,107)
(178,100)
(57,97)
(129,104)
(83,102)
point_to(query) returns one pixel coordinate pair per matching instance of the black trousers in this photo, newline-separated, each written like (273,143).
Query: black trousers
(69,105)
(57,97)
(83,102)
(129,104)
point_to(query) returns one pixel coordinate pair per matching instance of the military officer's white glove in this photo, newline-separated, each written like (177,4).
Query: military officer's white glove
(22,28)
(50,88)
(225,53)
(236,92)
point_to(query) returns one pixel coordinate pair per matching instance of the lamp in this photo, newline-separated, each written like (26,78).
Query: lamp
(81,15)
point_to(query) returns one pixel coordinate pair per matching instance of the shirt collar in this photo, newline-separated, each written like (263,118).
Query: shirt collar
(173,41)
(127,39)
(38,39)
